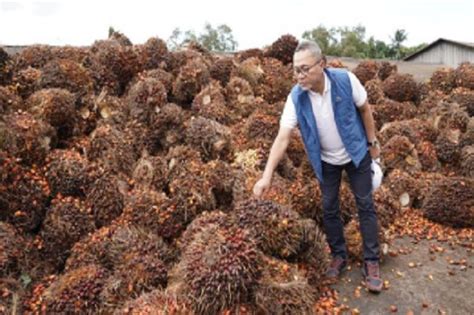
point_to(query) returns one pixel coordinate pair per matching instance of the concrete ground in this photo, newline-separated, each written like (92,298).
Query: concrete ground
(427,277)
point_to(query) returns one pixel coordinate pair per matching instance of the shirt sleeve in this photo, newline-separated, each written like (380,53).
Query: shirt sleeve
(359,94)
(288,117)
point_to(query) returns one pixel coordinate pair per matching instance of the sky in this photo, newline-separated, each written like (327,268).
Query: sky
(254,23)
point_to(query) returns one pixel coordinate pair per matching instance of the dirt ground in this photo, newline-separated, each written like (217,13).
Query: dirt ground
(425,277)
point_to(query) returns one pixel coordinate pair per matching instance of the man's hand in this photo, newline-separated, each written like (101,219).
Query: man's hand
(261,186)
(374,152)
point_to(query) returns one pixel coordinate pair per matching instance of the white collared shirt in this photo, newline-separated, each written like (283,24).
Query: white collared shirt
(332,147)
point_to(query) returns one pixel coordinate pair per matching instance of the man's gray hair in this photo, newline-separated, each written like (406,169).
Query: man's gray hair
(310,46)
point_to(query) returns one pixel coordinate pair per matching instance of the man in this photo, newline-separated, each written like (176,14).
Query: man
(331,110)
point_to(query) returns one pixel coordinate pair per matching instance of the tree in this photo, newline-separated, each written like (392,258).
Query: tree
(325,38)
(397,40)
(179,38)
(218,39)
(352,42)
(213,39)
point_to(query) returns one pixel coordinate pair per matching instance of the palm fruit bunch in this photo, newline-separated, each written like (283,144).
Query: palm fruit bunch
(401,88)
(283,289)
(111,65)
(9,100)
(13,264)
(366,71)
(221,70)
(67,220)
(139,273)
(386,69)
(192,77)
(56,107)
(447,146)
(335,63)
(416,130)
(76,291)
(240,97)
(6,66)
(283,49)
(156,302)
(261,128)
(211,138)
(12,250)
(390,110)
(354,241)
(386,206)
(210,103)
(161,75)
(66,74)
(120,38)
(450,116)
(178,58)
(199,48)
(188,185)
(277,80)
(68,173)
(374,90)
(108,146)
(153,53)
(227,184)
(428,156)
(306,197)
(278,230)
(24,194)
(110,246)
(111,109)
(465,75)
(218,269)
(278,192)
(35,56)
(146,97)
(450,201)
(465,98)
(167,129)
(400,152)
(249,53)
(26,137)
(251,70)
(150,171)
(443,79)
(180,158)
(205,220)
(313,253)
(467,161)
(403,187)
(155,211)
(106,197)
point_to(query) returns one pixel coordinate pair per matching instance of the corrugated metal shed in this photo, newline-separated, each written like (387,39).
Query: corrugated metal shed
(444,51)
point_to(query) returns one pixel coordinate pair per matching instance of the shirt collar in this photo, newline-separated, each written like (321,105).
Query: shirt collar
(327,86)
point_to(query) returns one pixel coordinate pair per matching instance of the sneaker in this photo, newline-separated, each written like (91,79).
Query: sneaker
(371,273)
(336,267)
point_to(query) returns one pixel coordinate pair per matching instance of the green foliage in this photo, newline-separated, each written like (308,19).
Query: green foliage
(214,39)
(351,42)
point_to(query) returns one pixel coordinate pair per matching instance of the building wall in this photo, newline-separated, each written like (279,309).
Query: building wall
(446,54)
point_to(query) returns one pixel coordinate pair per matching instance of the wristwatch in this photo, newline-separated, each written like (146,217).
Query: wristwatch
(375,143)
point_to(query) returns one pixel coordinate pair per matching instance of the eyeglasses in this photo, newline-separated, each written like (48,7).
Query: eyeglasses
(304,70)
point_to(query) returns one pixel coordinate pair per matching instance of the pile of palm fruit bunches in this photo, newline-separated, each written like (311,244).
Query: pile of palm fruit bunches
(126,176)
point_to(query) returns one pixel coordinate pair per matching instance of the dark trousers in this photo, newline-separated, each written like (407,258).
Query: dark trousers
(361,185)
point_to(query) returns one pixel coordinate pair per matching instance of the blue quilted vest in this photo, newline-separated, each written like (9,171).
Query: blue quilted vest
(348,120)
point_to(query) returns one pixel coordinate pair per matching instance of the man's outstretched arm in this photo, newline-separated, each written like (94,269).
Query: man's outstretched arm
(276,153)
